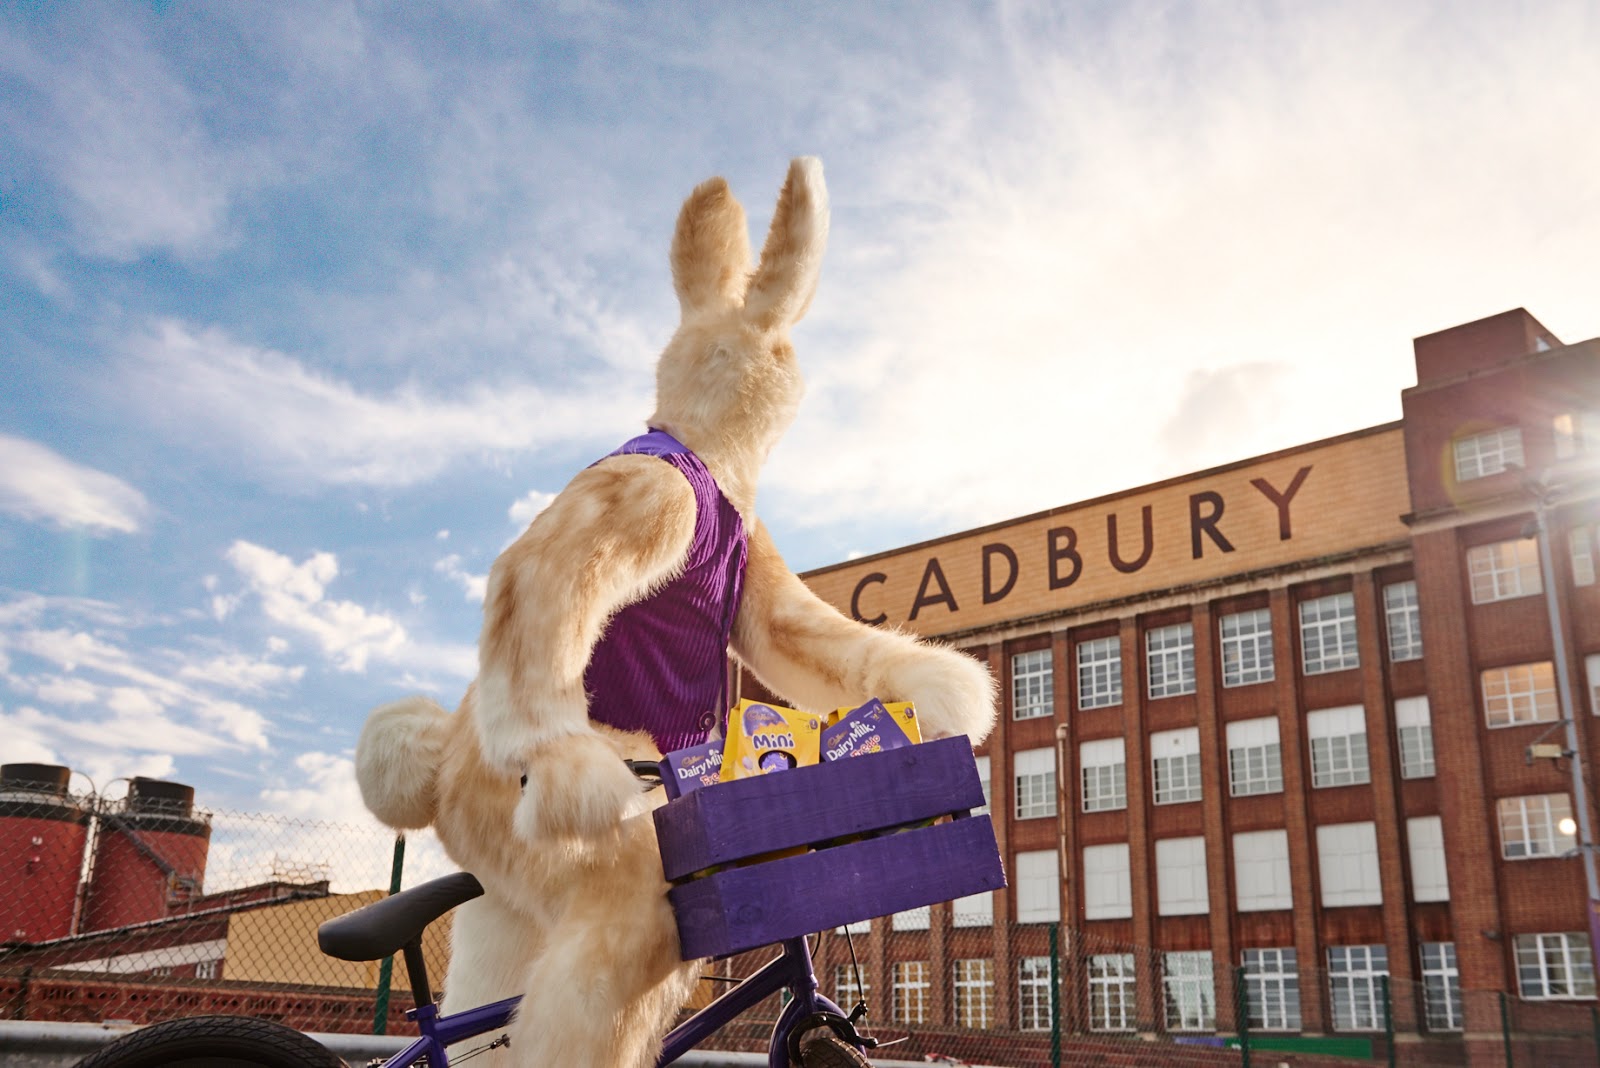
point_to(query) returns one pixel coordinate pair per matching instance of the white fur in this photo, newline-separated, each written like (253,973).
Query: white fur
(574,911)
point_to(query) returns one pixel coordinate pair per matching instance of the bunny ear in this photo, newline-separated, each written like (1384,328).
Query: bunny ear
(784,283)
(710,249)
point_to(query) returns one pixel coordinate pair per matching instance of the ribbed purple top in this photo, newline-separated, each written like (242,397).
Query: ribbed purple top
(662,664)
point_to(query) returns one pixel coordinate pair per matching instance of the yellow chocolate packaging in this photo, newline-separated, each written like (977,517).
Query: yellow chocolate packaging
(903,712)
(764,738)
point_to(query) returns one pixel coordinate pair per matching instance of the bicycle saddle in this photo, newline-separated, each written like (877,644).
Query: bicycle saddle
(383,928)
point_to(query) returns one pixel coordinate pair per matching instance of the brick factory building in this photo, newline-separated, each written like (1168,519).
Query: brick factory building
(1299,715)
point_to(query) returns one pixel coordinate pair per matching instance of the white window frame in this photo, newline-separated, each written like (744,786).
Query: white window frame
(1169,660)
(1519,693)
(983,779)
(1113,992)
(1038,880)
(1272,982)
(1188,987)
(1504,570)
(910,991)
(1413,727)
(1261,871)
(974,910)
(1556,966)
(1255,757)
(1032,684)
(1444,1009)
(1487,453)
(1107,882)
(1328,640)
(1103,774)
(1580,549)
(1575,433)
(1402,618)
(1347,863)
(1033,782)
(1100,672)
(1529,826)
(1355,986)
(1036,999)
(1181,877)
(1338,742)
(1175,766)
(846,990)
(972,992)
(1246,647)
(1430,877)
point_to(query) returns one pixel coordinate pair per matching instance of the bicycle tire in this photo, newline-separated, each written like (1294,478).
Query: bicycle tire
(824,1049)
(214,1042)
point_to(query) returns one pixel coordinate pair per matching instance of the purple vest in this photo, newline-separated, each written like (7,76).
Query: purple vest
(661,665)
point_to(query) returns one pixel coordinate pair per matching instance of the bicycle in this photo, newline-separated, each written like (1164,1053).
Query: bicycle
(730,897)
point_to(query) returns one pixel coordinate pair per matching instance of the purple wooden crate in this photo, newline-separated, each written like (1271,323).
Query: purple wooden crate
(735,821)
(745,908)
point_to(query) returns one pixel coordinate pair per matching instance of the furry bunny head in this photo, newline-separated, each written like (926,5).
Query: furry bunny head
(727,384)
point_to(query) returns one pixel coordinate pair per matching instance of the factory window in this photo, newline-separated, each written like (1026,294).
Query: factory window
(1355,985)
(1169,657)
(1272,986)
(983,778)
(917,919)
(1502,570)
(1580,542)
(1576,433)
(1113,988)
(1035,998)
(1107,885)
(1328,634)
(1488,453)
(1530,826)
(1441,987)
(974,910)
(1555,966)
(1255,762)
(1520,693)
(1104,770)
(1181,877)
(1100,673)
(1175,762)
(1425,841)
(1038,882)
(1413,725)
(911,991)
(1338,746)
(1191,998)
(1261,871)
(1035,781)
(1347,860)
(1403,621)
(850,985)
(1246,648)
(973,986)
(1032,685)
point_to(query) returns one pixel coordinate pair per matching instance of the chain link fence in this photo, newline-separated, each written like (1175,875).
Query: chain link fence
(145,908)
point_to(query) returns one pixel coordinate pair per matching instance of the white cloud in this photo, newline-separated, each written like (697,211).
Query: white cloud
(40,485)
(307,425)
(527,507)
(244,673)
(294,596)
(476,586)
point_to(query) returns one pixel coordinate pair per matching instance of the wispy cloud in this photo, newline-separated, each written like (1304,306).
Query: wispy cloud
(304,425)
(40,485)
(476,586)
(351,636)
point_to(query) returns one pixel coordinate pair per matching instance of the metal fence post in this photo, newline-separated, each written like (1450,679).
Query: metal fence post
(1055,995)
(1241,1008)
(1505,1029)
(1388,1018)
(380,1015)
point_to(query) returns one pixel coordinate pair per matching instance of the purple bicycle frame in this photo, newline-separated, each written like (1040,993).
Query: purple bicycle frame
(792,971)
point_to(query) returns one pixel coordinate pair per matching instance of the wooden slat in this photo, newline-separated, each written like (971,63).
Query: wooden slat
(746,818)
(745,908)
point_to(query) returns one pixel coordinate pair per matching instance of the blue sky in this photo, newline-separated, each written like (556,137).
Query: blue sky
(306,308)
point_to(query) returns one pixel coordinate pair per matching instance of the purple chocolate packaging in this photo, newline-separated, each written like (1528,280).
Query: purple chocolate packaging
(689,769)
(868,729)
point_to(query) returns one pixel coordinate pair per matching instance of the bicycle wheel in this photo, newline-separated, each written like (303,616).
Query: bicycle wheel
(214,1042)
(822,1048)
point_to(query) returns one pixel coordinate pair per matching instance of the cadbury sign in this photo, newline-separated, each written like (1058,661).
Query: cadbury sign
(1334,496)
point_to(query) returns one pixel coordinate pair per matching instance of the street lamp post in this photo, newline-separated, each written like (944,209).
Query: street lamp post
(1569,713)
